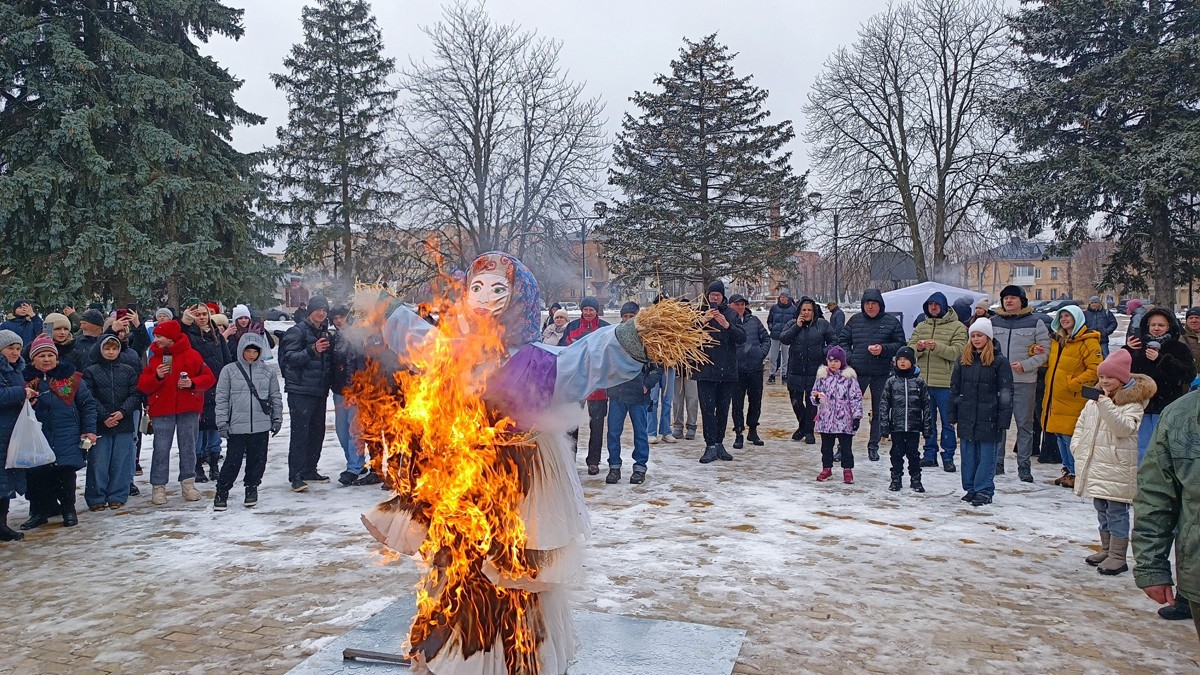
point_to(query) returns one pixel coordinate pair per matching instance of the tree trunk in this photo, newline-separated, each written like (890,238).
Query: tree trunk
(1162,255)
(173,292)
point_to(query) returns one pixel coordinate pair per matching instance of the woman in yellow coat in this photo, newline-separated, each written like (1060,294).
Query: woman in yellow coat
(1074,357)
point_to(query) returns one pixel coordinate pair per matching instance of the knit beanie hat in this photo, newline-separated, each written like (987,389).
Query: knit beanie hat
(982,325)
(589,301)
(1193,311)
(240,311)
(40,344)
(109,337)
(905,352)
(1133,306)
(1094,298)
(17,304)
(94,317)
(1118,366)
(318,302)
(170,330)
(560,312)
(163,311)
(718,286)
(9,338)
(213,308)
(983,304)
(55,320)
(629,308)
(836,353)
(220,320)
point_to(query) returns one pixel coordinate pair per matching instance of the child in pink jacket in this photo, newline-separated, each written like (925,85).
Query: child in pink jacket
(839,411)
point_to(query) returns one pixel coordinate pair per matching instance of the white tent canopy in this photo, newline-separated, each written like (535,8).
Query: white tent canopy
(910,301)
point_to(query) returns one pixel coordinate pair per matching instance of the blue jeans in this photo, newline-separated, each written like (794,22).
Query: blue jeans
(1113,517)
(208,445)
(344,421)
(1064,449)
(1104,348)
(658,413)
(939,397)
(1145,432)
(979,467)
(616,423)
(109,467)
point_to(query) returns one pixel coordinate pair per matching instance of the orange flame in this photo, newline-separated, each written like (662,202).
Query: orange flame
(460,469)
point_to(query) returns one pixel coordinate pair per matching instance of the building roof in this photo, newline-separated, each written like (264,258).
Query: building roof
(892,266)
(1015,249)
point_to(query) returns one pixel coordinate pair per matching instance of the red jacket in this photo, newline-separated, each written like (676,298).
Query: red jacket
(165,397)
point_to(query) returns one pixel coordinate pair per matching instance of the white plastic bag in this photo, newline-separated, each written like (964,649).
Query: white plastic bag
(28,447)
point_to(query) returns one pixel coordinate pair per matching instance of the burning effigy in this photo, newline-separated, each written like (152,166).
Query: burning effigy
(469,433)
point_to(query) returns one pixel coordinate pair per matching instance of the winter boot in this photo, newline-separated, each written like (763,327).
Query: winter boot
(251,496)
(213,469)
(873,455)
(1024,474)
(771,379)
(133,490)
(201,477)
(6,532)
(914,482)
(71,519)
(158,495)
(638,477)
(848,476)
(753,436)
(221,501)
(1115,563)
(710,455)
(896,483)
(1180,611)
(928,463)
(739,441)
(1099,556)
(810,439)
(1000,467)
(614,475)
(825,474)
(691,434)
(799,435)
(188,488)
(948,467)
(723,454)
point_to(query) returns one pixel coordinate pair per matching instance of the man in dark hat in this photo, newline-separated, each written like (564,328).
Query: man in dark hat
(307,360)
(1100,318)
(1191,333)
(1019,330)
(716,379)
(750,374)
(589,321)
(25,322)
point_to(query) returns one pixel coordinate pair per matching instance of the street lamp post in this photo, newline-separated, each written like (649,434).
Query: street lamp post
(814,200)
(565,209)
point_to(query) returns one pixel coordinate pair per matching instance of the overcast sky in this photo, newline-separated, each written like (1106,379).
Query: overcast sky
(615,46)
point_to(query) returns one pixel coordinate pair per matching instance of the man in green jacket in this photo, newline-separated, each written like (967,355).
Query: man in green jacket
(1168,502)
(939,341)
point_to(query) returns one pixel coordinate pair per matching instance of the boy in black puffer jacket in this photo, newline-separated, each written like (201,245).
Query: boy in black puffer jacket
(113,383)
(905,414)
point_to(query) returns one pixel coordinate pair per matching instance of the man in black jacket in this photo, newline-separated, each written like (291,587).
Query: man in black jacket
(306,356)
(715,380)
(871,339)
(1099,318)
(750,373)
(837,318)
(808,338)
(780,313)
(589,321)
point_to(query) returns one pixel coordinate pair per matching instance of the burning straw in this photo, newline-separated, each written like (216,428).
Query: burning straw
(674,334)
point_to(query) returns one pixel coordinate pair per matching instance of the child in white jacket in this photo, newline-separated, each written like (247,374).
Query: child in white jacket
(1106,455)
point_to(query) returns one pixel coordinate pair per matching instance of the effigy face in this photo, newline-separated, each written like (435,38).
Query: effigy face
(488,294)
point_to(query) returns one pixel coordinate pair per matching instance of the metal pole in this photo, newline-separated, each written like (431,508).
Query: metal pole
(583,257)
(837,289)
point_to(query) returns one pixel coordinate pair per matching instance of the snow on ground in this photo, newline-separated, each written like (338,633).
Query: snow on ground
(824,577)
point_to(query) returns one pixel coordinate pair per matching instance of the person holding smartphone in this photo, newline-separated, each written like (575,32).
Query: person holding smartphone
(307,359)
(1160,353)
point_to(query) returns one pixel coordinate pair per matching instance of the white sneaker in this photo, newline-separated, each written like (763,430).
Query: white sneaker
(668,438)
(654,440)
(159,495)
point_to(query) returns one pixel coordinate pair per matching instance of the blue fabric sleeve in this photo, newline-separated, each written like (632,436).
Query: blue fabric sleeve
(403,328)
(597,361)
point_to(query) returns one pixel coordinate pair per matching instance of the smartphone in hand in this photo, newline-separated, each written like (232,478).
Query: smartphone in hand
(1092,393)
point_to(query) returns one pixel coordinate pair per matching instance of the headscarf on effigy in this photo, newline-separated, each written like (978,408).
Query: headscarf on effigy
(522,313)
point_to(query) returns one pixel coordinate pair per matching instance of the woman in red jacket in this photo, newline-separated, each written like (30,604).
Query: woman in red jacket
(174,382)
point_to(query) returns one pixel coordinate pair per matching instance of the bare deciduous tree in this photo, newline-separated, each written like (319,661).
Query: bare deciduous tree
(905,116)
(493,136)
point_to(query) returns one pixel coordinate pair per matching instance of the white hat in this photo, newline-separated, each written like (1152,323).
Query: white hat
(982,325)
(241,311)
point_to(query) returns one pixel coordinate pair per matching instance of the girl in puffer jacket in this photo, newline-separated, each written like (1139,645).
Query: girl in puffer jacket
(839,411)
(1105,446)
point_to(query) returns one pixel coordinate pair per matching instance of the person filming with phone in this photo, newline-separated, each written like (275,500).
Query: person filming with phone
(1158,351)
(307,359)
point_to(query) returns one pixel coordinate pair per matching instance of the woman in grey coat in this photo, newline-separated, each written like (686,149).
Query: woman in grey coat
(249,412)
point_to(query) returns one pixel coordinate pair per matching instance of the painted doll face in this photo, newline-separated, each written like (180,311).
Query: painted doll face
(488,294)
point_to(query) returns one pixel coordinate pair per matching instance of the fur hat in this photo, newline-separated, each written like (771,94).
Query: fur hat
(55,320)
(170,330)
(1118,365)
(982,325)
(240,311)
(42,343)
(1013,289)
(9,338)
(836,353)
(220,320)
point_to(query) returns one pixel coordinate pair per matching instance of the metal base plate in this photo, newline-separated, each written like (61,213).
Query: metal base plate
(611,645)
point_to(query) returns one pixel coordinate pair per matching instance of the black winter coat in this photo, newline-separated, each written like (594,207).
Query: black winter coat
(1175,368)
(981,398)
(215,352)
(114,386)
(637,390)
(807,344)
(862,331)
(83,353)
(904,405)
(12,402)
(779,316)
(723,356)
(753,352)
(306,371)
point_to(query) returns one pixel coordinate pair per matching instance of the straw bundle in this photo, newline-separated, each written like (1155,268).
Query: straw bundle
(674,334)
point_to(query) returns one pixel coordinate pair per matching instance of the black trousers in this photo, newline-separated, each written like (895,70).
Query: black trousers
(844,442)
(875,384)
(715,398)
(253,447)
(308,434)
(50,490)
(748,385)
(906,445)
(597,413)
(803,407)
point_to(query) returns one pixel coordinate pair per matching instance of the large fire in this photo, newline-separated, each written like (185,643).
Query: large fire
(460,472)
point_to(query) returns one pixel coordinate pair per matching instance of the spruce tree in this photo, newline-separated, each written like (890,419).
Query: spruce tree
(330,168)
(1106,110)
(701,171)
(117,177)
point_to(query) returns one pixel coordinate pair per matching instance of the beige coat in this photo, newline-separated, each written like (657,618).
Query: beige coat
(1105,443)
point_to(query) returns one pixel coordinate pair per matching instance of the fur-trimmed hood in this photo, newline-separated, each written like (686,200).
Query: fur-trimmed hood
(823,371)
(1142,389)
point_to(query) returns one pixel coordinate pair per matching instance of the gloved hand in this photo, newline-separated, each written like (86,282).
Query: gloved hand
(857,421)
(275,426)
(224,433)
